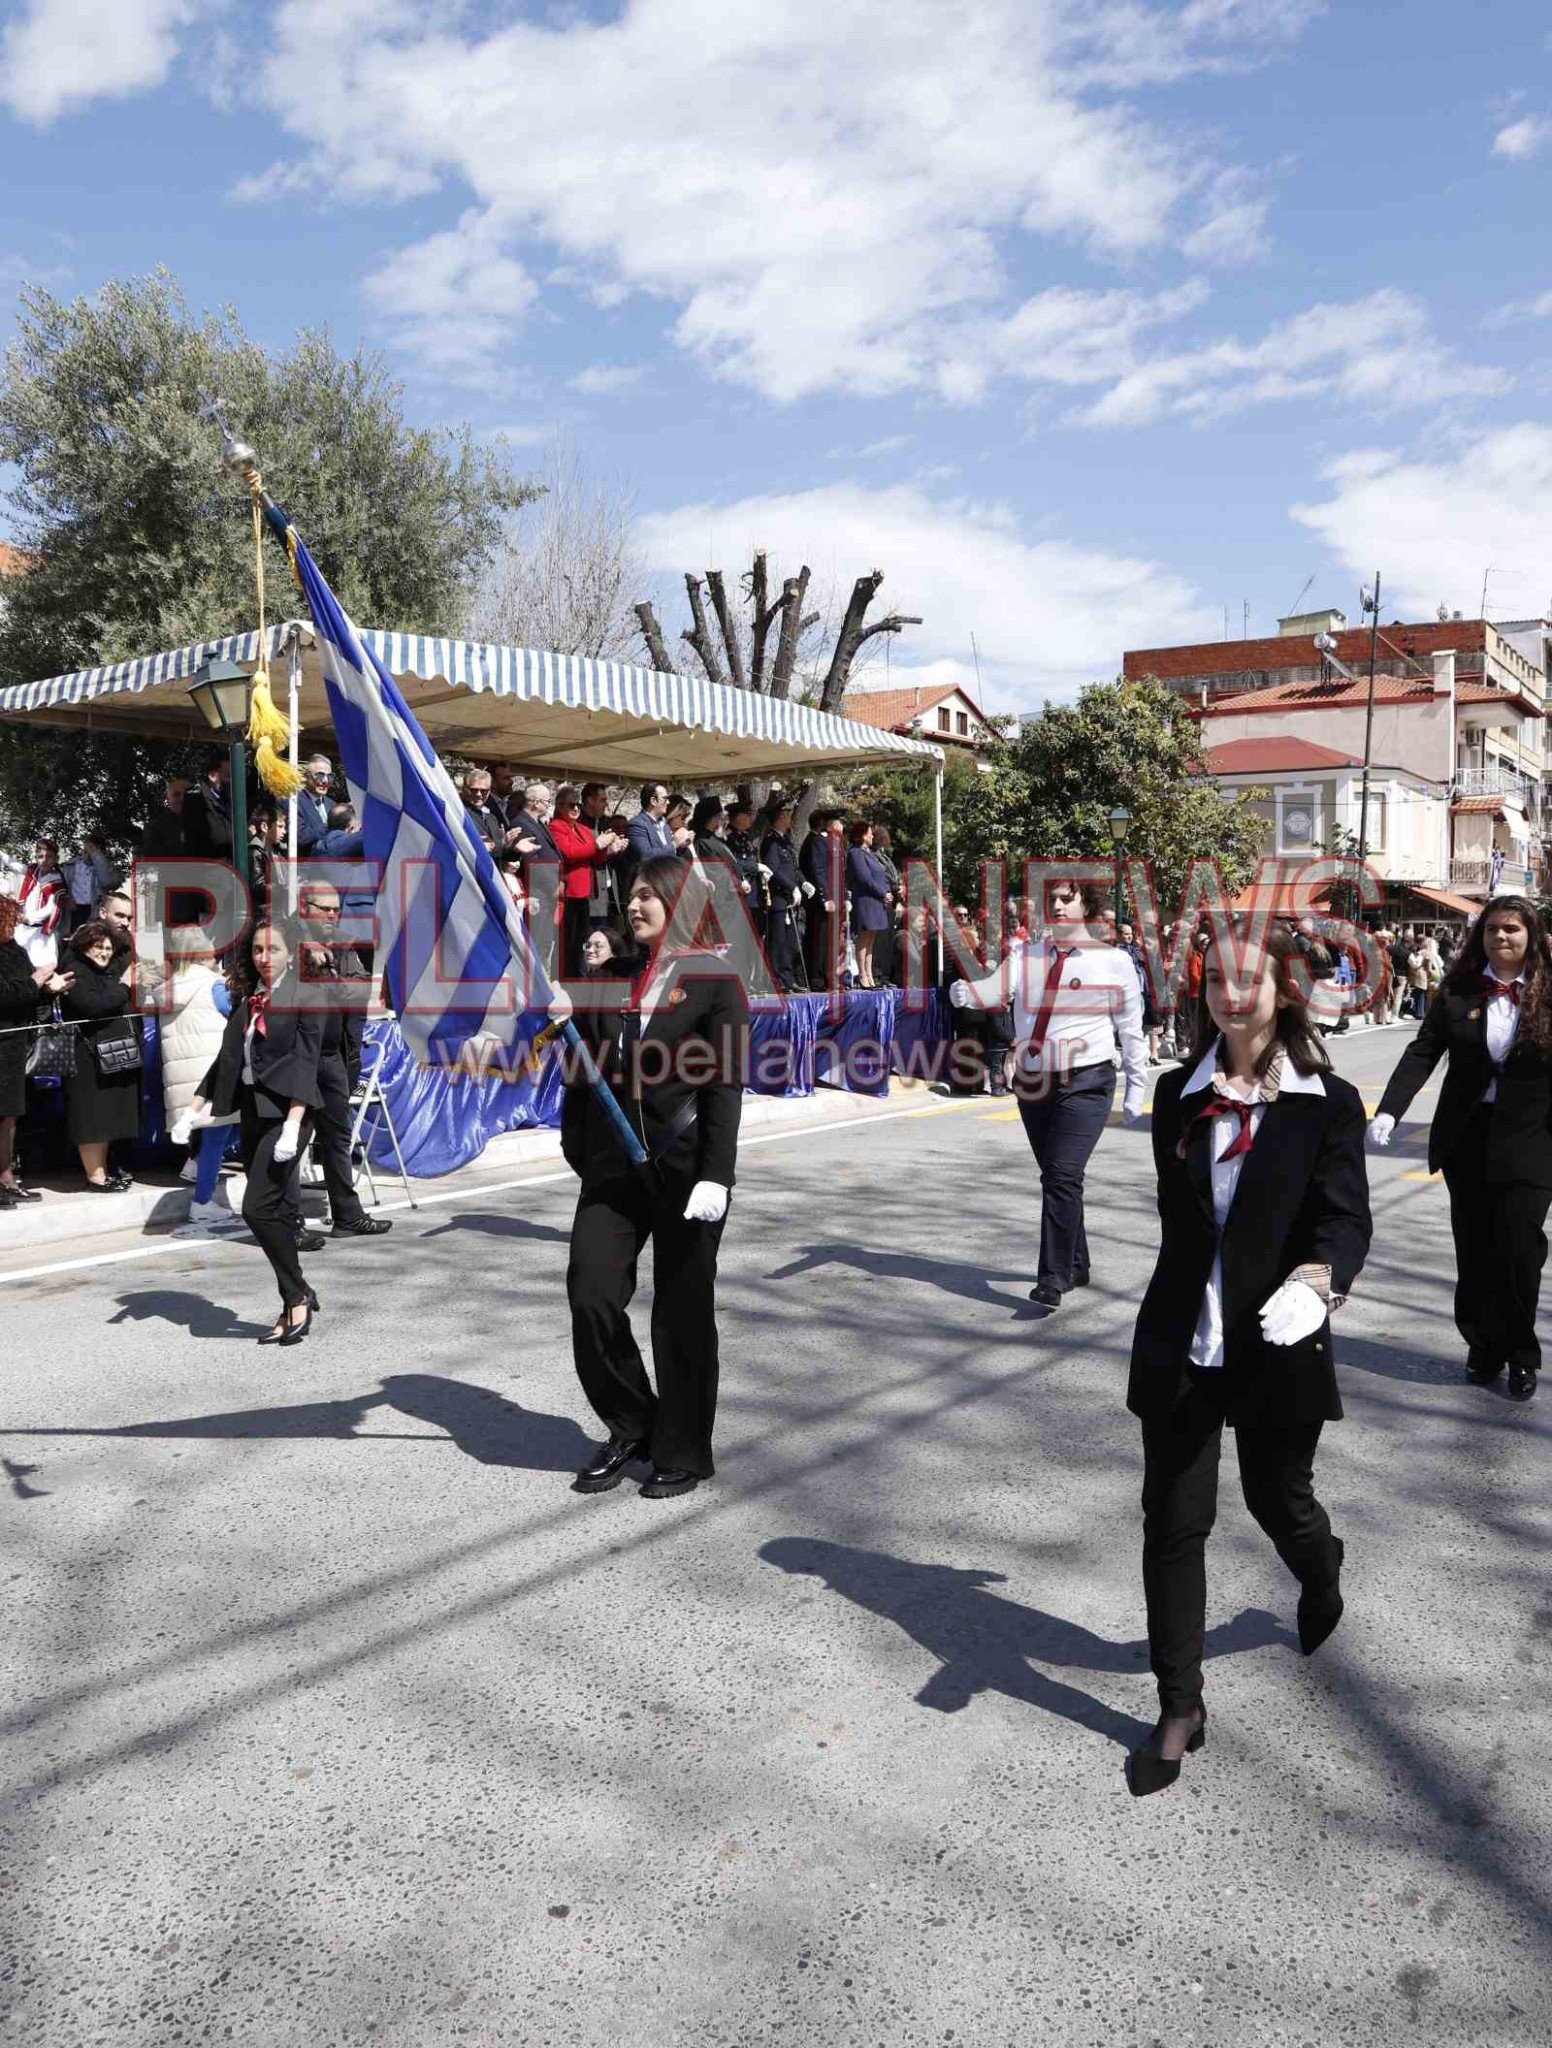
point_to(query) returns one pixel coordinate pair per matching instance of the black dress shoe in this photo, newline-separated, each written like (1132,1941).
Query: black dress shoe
(1320,1607)
(1047,1296)
(608,1468)
(665,1482)
(310,1240)
(18,1193)
(1522,1383)
(1147,1771)
(364,1226)
(1481,1370)
(1081,1277)
(8,1197)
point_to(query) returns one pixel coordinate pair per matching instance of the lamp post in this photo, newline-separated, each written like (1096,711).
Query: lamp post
(222,690)
(1120,825)
(1370,602)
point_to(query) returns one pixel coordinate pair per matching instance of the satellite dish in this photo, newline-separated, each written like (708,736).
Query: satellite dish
(1366,599)
(1325,643)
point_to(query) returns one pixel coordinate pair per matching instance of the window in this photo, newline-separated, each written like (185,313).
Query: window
(945,719)
(1377,814)
(1298,821)
(964,725)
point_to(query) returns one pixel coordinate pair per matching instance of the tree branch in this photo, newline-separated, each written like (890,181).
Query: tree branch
(652,633)
(698,636)
(892,624)
(756,587)
(793,592)
(849,639)
(719,604)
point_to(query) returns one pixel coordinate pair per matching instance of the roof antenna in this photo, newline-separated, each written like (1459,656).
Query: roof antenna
(976,658)
(1293,610)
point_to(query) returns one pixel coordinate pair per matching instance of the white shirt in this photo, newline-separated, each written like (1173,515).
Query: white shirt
(1097,1007)
(1207,1339)
(1503,1022)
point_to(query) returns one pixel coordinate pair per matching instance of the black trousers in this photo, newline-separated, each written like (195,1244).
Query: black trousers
(615,1219)
(1063,1126)
(1179,1504)
(781,946)
(271,1200)
(331,1147)
(576,923)
(1500,1249)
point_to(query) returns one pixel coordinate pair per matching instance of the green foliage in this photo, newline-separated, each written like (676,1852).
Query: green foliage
(1048,792)
(1125,743)
(137,541)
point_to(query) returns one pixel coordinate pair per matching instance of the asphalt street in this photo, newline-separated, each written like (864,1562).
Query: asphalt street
(332,1716)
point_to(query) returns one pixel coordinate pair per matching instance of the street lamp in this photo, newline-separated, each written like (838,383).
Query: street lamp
(222,690)
(1120,825)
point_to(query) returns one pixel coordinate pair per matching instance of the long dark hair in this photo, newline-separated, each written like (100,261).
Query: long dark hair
(242,976)
(1295,1028)
(1470,965)
(706,810)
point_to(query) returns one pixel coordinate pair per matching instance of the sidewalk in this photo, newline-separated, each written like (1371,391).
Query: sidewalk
(71,1214)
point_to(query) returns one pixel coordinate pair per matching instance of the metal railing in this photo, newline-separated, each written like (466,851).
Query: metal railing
(1495,782)
(1477,874)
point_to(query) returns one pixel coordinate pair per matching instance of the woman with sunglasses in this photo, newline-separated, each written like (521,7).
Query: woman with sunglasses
(1491,1136)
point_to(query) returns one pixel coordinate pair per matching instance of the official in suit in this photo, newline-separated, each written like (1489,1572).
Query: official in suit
(1264,1215)
(1075,1002)
(339,974)
(1492,1132)
(785,888)
(822,865)
(872,903)
(267,1071)
(647,834)
(313,805)
(674,1054)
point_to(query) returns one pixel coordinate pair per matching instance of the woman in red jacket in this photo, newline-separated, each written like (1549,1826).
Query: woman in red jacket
(582,853)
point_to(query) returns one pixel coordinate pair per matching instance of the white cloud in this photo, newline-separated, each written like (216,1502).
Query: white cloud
(455,297)
(1376,352)
(59,55)
(1435,524)
(1513,311)
(602,380)
(826,199)
(1048,615)
(1524,138)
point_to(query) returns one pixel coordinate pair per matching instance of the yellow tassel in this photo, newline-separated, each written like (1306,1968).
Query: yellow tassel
(268,733)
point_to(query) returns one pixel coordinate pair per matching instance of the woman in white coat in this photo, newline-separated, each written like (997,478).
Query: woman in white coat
(193,1024)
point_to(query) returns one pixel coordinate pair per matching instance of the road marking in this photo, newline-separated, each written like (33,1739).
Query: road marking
(164,1246)
(1420,1173)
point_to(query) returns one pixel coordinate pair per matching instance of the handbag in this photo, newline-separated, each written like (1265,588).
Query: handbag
(117,1055)
(51,1055)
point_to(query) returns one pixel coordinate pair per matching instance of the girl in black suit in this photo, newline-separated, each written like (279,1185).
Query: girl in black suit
(1492,1132)
(102,1099)
(1264,1204)
(267,1069)
(674,1055)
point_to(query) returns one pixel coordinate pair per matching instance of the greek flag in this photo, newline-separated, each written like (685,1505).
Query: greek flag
(456,955)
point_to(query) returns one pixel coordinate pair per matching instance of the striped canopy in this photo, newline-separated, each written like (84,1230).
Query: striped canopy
(553,711)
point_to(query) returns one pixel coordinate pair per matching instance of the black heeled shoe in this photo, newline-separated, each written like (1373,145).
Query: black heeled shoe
(1320,1608)
(1147,1771)
(295,1332)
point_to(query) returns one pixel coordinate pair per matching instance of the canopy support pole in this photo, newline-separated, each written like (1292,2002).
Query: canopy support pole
(293,713)
(937,843)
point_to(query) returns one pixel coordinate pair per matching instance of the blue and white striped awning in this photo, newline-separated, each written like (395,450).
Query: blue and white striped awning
(609,718)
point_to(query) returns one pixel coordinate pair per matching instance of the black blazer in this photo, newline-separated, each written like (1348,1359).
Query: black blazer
(1303,1197)
(1519,1138)
(285,1062)
(776,852)
(705,1023)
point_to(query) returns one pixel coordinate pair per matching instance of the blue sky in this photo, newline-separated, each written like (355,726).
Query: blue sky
(1081,321)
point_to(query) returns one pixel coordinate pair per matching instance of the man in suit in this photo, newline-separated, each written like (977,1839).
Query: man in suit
(313,804)
(207,813)
(786,894)
(649,836)
(327,959)
(821,866)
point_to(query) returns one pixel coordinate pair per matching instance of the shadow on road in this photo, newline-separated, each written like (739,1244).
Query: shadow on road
(191,1312)
(484,1425)
(501,1226)
(952,1276)
(984,1643)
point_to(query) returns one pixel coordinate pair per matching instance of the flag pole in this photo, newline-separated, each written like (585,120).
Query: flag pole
(239,460)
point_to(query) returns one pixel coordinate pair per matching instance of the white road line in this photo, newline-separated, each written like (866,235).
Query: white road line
(164,1246)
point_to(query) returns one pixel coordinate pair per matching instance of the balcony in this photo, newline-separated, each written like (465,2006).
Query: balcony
(1493,782)
(1476,874)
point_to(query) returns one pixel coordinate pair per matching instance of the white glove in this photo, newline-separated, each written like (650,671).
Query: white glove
(562,1008)
(192,1120)
(961,995)
(1131,1115)
(286,1143)
(765,873)
(807,888)
(1380,1132)
(1294,1312)
(707,1204)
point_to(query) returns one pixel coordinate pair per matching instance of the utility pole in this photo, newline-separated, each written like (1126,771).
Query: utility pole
(1370,601)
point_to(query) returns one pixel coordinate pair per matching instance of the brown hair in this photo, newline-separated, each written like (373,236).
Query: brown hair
(1295,1029)
(10,911)
(1470,965)
(85,936)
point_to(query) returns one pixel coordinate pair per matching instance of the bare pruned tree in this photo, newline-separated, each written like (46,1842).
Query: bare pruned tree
(733,644)
(560,577)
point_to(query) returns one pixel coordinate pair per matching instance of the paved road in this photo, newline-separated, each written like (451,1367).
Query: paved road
(332,1716)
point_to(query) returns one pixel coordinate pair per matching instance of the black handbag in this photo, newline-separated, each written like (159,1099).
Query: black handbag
(117,1055)
(51,1055)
